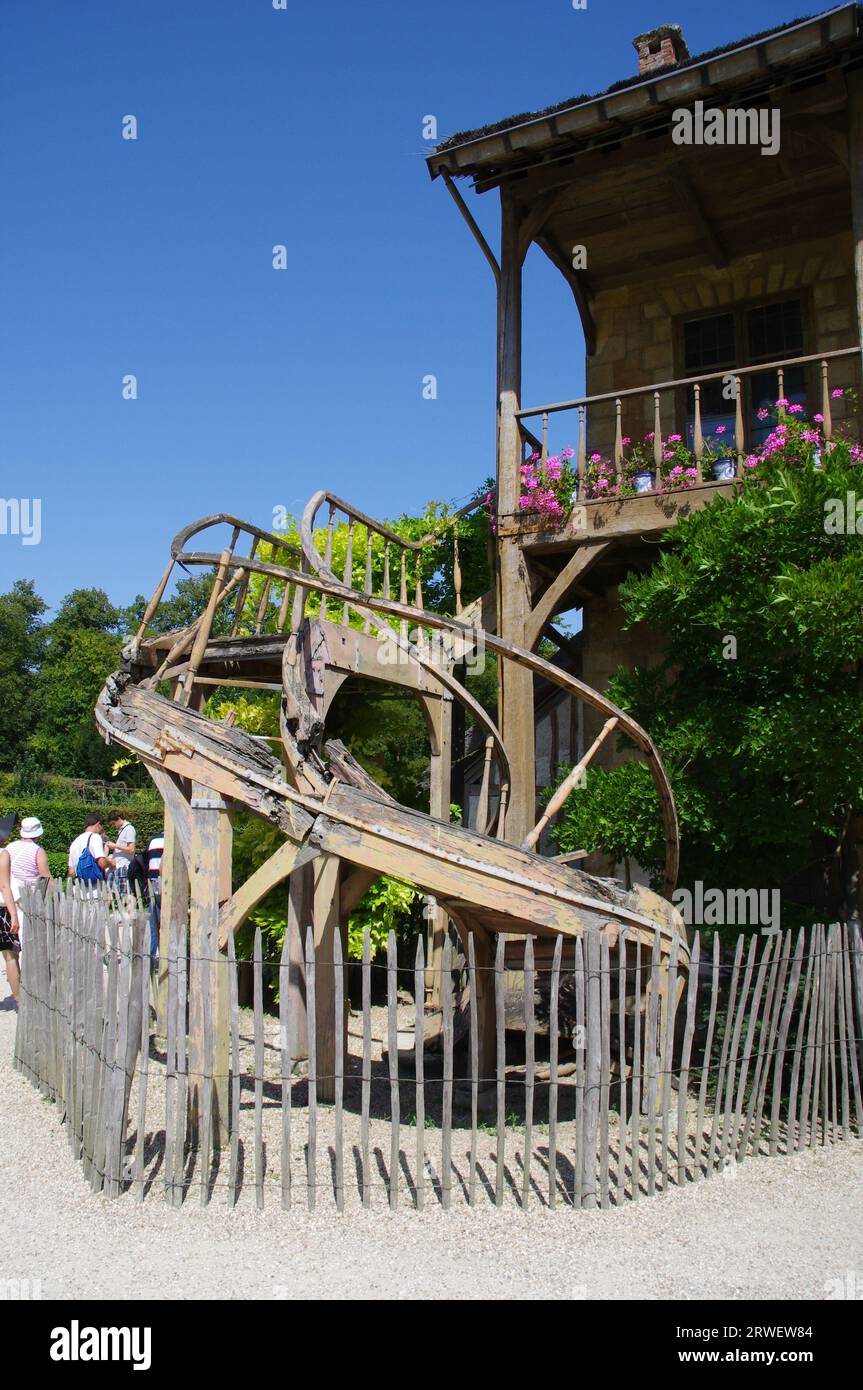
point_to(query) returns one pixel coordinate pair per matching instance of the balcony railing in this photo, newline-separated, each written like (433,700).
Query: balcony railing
(686,408)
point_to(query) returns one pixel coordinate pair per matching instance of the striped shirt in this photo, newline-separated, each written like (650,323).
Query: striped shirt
(154,855)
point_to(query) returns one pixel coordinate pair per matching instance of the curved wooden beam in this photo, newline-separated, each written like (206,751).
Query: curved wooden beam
(274,871)
(575,568)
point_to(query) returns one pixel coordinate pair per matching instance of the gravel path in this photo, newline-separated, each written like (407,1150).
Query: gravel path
(781,1228)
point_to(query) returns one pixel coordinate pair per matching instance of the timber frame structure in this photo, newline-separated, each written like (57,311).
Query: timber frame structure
(341,830)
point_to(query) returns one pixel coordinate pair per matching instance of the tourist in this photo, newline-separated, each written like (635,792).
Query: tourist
(124,850)
(88,858)
(29,860)
(155,850)
(10,931)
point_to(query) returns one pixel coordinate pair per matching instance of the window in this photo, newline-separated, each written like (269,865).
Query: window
(743,338)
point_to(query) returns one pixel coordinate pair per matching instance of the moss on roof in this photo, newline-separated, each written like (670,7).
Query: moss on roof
(464,137)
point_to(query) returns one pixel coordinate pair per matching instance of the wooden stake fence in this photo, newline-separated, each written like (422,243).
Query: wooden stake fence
(626,1077)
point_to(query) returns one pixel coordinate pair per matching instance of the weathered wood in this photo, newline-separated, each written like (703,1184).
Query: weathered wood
(739,1015)
(341,1040)
(605,1068)
(636,1077)
(171,1060)
(236,1076)
(782,1038)
(553,1084)
(207,968)
(766,1046)
(446,1102)
(580,1069)
(792,1139)
(569,784)
(181,1116)
(650,1060)
(326,910)
(809,1063)
(500,1033)
(667,1057)
(393,1054)
(144,1054)
(366,1084)
(686,1057)
(850,1030)
(529,1067)
(419,1069)
(258,1001)
(723,1056)
(312,1075)
(621,1068)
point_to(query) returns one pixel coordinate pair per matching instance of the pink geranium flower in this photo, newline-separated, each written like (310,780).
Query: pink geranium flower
(838,393)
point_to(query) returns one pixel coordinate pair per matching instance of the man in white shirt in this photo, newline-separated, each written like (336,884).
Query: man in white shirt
(123,847)
(91,839)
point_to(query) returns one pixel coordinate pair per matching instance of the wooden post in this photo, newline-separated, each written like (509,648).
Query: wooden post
(175,909)
(855,149)
(515,683)
(204,958)
(325,916)
(301,886)
(221,984)
(439,713)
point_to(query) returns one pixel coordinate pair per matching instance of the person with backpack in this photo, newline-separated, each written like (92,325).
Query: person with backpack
(88,859)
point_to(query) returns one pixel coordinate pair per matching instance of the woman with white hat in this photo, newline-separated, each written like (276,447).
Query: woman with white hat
(29,860)
(10,937)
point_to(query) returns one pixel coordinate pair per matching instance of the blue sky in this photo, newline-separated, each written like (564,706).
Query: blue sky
(154,257)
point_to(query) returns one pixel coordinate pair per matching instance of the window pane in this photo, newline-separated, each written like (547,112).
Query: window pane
(708,344)
(775,331)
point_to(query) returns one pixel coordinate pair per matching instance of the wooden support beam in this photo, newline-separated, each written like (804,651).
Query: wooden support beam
(439,716)
(575,568)
(236,908)
(569,784)
(576,281)
(689,196)
(326,914)
(537,215)
(174,908)
(204,960)
(471,222)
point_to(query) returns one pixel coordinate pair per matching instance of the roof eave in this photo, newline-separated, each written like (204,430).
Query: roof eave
(840,26)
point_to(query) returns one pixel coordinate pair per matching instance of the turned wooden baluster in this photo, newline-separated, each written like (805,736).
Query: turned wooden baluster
(482,817)
(456,569)
(826,408)
(205,627)
(285,607)
(739,433)
(581,456)
(154,602)
(263,605)
(780,376)
(386,569)
(657,433)
(544,440)
(348,577)
(618,434)
(300,598)
(698,436)
(569,785)
(367,589)
(328,553)
(403,589)
(244,589)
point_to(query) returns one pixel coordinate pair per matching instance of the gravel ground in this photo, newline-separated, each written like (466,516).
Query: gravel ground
(783,1228)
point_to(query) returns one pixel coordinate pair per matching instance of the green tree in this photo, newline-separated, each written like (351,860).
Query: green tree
(756,706)
(21,610)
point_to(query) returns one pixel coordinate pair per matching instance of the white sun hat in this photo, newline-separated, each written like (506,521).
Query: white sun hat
(31,828)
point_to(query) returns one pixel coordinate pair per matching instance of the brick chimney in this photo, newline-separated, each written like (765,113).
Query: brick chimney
(664,47)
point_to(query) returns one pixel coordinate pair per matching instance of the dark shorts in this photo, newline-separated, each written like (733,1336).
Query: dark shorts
(8,942)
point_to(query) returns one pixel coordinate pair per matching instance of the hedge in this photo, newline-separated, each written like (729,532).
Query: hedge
(64,820)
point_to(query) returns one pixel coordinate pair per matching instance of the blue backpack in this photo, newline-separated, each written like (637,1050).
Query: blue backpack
(87,869)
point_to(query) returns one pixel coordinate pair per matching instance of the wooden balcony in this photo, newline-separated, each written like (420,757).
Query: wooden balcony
(678,413)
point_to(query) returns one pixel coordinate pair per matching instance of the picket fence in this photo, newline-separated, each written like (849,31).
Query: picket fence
(721,1061)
